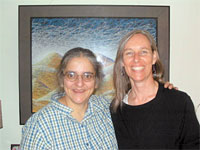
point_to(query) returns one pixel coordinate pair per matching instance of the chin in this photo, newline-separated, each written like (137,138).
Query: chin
(81,100)
(138,79)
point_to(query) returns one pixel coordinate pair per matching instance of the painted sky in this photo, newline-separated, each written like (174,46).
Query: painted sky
(101,35)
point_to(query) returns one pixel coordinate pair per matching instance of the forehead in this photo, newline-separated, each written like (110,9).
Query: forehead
(79,64)
(137,41)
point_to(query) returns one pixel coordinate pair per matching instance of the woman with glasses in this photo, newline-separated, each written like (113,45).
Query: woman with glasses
(75,119)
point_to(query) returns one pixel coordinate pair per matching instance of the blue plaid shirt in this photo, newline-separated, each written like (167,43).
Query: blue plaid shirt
(53,128)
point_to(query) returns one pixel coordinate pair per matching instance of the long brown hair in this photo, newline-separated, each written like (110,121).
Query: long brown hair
(121,80)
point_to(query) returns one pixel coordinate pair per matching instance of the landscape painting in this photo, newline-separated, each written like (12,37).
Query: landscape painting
(52,37)
(46,32)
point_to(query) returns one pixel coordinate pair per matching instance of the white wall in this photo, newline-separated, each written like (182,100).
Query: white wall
(184,53)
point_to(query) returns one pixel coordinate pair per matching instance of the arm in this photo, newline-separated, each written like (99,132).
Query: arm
(190,135)
(32,137)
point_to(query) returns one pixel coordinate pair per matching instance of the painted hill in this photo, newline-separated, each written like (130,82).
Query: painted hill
(44,80)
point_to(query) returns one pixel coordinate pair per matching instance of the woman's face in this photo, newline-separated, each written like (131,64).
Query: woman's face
(79,80)
(138,58)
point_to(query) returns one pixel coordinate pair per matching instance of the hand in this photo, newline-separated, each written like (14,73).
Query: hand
(170,86)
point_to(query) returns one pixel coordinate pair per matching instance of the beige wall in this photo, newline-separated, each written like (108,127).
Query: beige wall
(184,53)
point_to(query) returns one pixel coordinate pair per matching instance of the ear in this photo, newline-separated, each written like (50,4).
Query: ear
(96,84)
(122,63)
(155,57)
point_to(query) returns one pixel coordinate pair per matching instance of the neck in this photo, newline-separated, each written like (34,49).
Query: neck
(142,92)
(78,109)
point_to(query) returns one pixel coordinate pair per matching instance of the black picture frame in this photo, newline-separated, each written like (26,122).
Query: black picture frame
(161,13)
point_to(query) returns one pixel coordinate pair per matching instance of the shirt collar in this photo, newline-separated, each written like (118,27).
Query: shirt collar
(125,99)
(60,107)
(93,105)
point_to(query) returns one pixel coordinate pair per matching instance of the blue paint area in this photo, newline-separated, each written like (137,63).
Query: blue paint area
(102,35)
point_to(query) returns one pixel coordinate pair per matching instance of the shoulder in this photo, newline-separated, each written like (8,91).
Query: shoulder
(37,123)
(40,116)
(175,97)
(100,101)
(36,128)
(173,92)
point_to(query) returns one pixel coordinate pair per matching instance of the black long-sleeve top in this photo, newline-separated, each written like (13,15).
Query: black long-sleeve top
(166,122)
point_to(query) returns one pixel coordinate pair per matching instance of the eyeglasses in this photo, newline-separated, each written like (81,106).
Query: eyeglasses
(73,76)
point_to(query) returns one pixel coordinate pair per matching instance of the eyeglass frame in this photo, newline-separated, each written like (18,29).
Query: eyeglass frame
(93,75)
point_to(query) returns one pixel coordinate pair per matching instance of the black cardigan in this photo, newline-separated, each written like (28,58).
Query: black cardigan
(166,122)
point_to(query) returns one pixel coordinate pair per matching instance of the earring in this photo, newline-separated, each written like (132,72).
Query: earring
(154,69)
(122,71)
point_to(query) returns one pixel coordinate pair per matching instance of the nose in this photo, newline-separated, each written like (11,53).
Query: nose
(136,57)
(79,81)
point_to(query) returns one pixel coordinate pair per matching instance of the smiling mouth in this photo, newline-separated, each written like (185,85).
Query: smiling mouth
(78,91)
(137,68)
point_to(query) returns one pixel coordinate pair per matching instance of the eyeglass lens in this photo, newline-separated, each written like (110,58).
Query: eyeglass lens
(72,76)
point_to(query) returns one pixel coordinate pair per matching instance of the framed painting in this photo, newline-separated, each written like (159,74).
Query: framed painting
(15,147)
(47,32)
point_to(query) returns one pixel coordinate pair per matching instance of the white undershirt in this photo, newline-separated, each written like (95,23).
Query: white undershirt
(125,99)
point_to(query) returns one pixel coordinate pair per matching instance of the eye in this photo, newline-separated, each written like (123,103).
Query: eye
(128,53)
(144,52)
(88,75)
(70,75)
